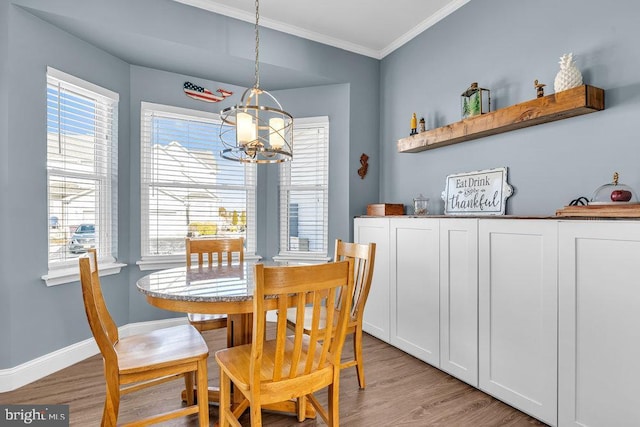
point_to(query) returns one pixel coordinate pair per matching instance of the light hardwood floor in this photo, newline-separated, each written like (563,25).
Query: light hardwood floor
(401,391)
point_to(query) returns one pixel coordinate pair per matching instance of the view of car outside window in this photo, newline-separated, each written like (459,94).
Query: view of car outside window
(83,238)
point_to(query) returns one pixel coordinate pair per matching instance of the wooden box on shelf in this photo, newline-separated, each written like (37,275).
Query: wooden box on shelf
(385,209)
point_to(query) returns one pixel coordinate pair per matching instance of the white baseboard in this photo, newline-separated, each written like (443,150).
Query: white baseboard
(33,370)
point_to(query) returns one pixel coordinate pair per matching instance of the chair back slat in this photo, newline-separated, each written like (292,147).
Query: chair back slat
(327,333)
(281,331)
(363,256)
(214,250)
(299,286)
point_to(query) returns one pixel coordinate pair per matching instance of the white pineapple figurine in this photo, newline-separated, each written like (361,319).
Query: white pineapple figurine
(569,76)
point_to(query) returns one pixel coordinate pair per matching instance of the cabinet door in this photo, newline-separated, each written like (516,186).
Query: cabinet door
(376,311)
(459,298)
(518,314)
(599,316)
(415,287)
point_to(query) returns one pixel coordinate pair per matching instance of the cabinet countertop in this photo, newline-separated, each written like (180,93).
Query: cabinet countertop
(563,218)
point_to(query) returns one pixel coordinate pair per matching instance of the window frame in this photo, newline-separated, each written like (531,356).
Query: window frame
(284,186)
(151,262)
(105,175)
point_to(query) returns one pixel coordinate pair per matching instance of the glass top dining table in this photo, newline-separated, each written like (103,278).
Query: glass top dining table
(213,289)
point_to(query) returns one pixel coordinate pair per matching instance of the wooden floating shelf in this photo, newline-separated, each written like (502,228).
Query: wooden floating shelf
(562,105)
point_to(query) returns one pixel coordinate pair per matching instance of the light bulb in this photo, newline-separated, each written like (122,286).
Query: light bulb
(246,131)
(276,126)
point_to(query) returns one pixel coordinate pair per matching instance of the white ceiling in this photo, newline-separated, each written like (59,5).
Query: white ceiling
(373,28)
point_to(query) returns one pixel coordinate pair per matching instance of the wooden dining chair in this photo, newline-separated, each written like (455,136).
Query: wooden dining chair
(271,371)
(363,256)
(208,249)
(140,361)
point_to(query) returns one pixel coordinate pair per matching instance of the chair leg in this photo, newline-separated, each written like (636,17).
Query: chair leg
(256,412)
(225,399)
(334,402)
(229,333)
(111,407)
(203,393)
(357,352)
(301,406)
(188,387)
(106,422)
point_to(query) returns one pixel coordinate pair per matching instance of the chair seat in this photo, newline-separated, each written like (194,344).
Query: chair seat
(236,360)
(162,347)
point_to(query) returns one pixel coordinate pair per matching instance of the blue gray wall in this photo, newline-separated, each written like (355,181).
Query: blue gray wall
(41,319)
(505,45)
(5,246)
(107,43)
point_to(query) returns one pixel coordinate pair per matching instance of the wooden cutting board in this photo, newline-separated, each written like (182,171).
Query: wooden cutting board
(626,210)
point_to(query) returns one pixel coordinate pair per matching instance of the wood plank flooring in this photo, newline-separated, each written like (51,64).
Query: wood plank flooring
(401,391)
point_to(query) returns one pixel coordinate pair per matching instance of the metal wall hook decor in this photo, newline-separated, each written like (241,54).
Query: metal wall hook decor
(364,166)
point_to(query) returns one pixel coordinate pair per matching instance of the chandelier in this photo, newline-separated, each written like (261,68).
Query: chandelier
(257,133)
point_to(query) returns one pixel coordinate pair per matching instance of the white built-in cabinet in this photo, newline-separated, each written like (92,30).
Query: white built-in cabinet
(376,316)
(459,298)
(599,323)
(518,321)
(430,289)
(414,287)
(543,314)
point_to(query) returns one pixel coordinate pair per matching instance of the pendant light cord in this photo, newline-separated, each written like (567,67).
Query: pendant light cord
(257,69)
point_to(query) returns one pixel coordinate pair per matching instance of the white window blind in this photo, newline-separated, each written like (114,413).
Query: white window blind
(187,189)
(304,184)
(82,171)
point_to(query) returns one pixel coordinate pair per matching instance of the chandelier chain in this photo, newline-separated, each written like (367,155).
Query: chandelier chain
(257,69)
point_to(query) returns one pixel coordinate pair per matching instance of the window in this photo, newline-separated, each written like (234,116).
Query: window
(186,188)
(82,170)
(304,192)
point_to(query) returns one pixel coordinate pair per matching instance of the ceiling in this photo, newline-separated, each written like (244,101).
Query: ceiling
(352,25)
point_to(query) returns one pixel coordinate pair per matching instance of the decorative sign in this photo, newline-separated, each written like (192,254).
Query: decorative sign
(202,94)
(482,192)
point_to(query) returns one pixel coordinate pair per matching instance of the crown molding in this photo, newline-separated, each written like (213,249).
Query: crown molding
(424,25)
(242,15)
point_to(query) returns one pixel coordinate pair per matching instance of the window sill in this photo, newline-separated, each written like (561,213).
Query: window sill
(68,275)
(172,261)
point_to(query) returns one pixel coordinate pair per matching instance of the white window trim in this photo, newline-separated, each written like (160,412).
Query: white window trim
(301,259)
(157,262)
(82,84)
(67,274)
(306,257)
(68,271)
